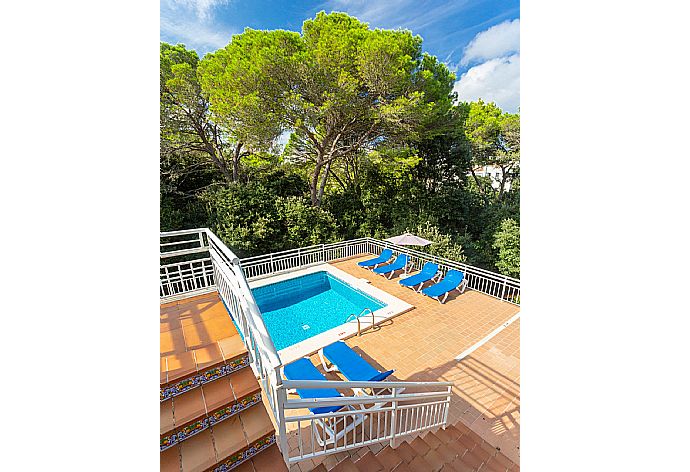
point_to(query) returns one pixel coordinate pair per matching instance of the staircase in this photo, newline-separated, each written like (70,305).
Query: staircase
(457,448)
(212,414)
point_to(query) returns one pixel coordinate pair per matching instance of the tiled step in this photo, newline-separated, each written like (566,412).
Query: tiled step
(246,437)
(457,448)
(187,370)
(194,411)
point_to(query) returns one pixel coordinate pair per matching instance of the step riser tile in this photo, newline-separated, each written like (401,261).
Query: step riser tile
(187,431)
(239,457)
(241,405)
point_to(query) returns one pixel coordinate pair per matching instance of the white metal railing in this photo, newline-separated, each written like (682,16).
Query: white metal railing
(270,264)
(239,300)
(193,273)
(481,280)
(365,419)
(387,411)
(490,283)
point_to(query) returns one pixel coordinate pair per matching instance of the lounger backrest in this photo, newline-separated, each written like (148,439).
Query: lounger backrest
(381,376)
(386,254)
(454,276)
(430,268)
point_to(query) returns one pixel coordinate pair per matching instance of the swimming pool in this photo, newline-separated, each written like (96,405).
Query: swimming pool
(303,307)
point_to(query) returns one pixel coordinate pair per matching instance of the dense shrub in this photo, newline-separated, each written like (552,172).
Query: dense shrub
(267,216)
(507,242)
(304,224)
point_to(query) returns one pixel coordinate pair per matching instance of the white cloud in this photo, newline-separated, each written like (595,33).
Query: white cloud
(192,22)
(496,77)
(203,8)
(410,14)
(496,80)
(198,36)
(498,41)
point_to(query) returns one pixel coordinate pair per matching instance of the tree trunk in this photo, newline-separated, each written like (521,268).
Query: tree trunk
(322,184)
(314,183)
(236,162)
(219,162)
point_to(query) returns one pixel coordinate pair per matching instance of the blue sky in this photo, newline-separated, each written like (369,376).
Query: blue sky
(478,39)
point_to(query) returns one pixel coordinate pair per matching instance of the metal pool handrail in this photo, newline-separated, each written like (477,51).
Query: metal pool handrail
(373,321)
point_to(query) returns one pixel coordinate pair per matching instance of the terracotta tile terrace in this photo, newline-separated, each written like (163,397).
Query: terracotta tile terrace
(421,345)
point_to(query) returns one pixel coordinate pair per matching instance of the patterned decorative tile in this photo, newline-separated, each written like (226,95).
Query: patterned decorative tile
(168,441)
(192,429)
(228,411)
(239,457)
(216,417)
(210,375)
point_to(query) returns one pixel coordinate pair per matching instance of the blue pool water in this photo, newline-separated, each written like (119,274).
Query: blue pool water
(299,308)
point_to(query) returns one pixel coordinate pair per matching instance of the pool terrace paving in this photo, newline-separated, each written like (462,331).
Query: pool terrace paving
(421,345)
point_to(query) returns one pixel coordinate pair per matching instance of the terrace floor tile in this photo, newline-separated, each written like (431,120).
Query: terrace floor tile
(421,345)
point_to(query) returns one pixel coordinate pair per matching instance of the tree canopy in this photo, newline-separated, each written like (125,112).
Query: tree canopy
(339,88)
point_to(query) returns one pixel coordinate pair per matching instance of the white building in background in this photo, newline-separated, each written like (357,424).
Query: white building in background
(495,173)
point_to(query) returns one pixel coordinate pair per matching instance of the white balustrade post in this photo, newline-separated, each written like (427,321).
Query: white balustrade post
(447,405)
(394,417)
(282,430)
(323,253)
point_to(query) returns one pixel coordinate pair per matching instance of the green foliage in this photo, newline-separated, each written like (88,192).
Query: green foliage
(305,225)
(243,84)
(507,242)
(339,87)
(494,138)
(267,216)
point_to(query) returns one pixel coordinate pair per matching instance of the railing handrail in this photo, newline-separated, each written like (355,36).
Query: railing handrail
(302,249)
(183,252)
(360,384)
(257,321)
(181,232)
(502,287)
(360,400)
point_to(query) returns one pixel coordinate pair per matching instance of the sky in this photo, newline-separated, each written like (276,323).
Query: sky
(478,39)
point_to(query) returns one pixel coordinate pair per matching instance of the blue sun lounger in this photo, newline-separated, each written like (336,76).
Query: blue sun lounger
(381,259)
(353,367)
(350,364)
(399,263)
(454,280)
(303,369)
(429,272)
